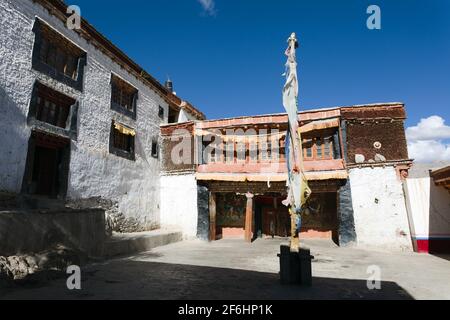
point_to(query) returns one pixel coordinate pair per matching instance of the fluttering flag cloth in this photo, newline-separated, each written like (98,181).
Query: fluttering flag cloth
(298,189)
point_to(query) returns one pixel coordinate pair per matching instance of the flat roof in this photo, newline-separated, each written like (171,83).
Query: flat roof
(315,110)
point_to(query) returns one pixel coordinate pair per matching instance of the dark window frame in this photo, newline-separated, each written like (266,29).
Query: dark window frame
(52,70)
(155,148)
(130,155)
(320,148)
(117,83)
(63,147)
(41,91)
(161,112)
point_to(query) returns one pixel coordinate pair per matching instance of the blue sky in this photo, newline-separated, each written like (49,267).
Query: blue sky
(227,56)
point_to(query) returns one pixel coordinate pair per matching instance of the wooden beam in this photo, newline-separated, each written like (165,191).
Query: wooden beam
(249,218)
(212,216)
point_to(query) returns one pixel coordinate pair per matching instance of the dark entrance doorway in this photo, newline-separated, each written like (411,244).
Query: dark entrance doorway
(321,221)
(271,216)
(47,167)
(45,170)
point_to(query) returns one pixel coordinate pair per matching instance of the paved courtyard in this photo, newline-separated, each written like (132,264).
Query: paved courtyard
(233,269)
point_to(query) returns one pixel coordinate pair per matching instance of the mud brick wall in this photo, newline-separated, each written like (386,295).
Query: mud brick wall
(366,125)
(178,139)
(361,137)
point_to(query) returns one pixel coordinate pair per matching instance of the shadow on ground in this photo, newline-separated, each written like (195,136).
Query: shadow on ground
(124,279)
(442,256)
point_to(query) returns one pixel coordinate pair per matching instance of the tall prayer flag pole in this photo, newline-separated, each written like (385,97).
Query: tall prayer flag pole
(298,189)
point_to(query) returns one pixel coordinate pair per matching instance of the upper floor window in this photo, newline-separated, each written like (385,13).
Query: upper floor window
(161,112)
(318,148)
(122,141)
(155,148)
(173,115)
(253,151)
(54,108)
(229,151)
(56,56)
(241,151)
(265,150)
(123,97)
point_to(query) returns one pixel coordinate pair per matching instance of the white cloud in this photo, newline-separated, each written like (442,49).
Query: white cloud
(209,6)
(428,151)
(431,128)
(426,140)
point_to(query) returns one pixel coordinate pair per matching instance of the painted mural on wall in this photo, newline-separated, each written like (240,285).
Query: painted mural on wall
(321,213)
(231,210)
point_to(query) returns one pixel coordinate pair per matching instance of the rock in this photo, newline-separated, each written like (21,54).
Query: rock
(39,267)
(359,158)
(380,158)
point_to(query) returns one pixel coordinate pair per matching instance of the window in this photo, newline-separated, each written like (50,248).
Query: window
(253,151)
(173,115)
(327,148)
(155,149)
(161,112)
(123,97)
(229,151)
(212,156)
(58,57)
(209,150)
(318,148)
(282,152)
(264,149)
(241,150)
(275,150)
(51,107)
(122,141)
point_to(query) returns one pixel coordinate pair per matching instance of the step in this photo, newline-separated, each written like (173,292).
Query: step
(131,243)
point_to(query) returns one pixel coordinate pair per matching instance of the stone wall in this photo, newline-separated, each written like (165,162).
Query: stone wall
(203,213)
(94,172)
(347,234)
(24,232)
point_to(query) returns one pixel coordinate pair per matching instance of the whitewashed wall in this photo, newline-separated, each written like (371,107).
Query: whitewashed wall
(428,208)
(179,203)
(184,116)
(379,209)
(94,172)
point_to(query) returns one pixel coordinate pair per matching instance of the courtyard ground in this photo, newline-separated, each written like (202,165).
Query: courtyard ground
(233,269)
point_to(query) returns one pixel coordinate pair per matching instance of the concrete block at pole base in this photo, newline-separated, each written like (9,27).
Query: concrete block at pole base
(295,267)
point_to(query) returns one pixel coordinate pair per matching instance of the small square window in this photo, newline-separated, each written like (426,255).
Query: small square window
(155,149)
(161,112)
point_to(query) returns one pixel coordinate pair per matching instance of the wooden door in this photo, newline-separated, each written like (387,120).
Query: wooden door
(46,170)
(269,221)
